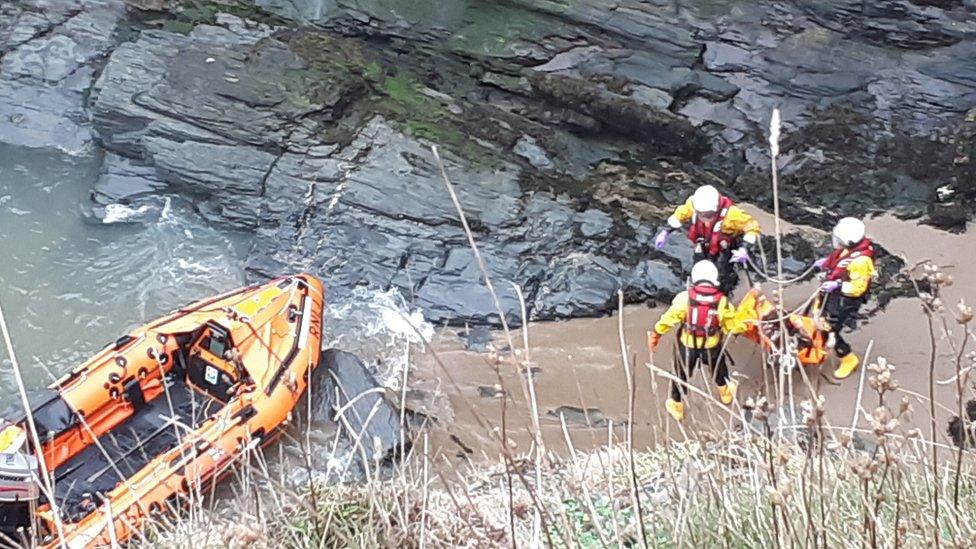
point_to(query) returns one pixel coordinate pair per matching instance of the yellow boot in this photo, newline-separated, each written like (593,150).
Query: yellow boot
(848,364)
(675,408)
(727,392)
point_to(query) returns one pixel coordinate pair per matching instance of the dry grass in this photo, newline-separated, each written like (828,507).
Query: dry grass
(810,485)
(741,489)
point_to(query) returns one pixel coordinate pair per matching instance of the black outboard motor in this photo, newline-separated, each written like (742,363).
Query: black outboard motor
(19,491)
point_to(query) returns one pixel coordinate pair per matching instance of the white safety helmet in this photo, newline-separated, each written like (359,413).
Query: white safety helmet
(705,199)
(847,232)
(704,271)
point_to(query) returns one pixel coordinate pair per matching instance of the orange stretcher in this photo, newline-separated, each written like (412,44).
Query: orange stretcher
(765,329)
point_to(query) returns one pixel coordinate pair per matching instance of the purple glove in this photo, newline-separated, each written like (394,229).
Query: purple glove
(819,264)
(830,286)
(661,239)
(740,256)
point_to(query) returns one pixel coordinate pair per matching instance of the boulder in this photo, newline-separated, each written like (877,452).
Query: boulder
(365,415)
(477,338)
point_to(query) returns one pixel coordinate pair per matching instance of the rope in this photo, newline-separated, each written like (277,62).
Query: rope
(797,310)
(770,278)
(761,270)
(48,484)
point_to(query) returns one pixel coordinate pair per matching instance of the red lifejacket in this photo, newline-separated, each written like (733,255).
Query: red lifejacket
(836,264)
(708,236)
(702,318)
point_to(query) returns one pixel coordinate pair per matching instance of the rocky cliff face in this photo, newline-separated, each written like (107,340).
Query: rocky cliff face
(875,96)
(568,127)
(49,51)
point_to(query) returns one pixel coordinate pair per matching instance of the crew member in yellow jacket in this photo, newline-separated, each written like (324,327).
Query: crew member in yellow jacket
(848,272)
(718,229)
(703,315)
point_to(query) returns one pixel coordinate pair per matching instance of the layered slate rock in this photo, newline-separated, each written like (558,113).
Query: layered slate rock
(568,128)
(235,117)
(874,95)
(127,191)
(49,54)
(213,129)
(377,213)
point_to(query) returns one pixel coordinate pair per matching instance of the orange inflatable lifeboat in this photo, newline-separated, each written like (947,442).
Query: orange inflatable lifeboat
(162,411)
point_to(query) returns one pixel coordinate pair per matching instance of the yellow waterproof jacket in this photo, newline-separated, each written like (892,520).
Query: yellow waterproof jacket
(676,313)
(736,223)
(860,272)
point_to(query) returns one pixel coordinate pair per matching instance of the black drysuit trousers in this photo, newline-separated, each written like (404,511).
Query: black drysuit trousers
(689,357)
(841,311)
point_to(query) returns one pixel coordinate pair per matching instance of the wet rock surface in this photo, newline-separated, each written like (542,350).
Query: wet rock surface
(235,116)
(568,130)
(366,414)
(50,51)
(588,417)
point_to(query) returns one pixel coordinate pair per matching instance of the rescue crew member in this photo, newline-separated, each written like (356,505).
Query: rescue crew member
(704,314)
(847,273)
(719,230)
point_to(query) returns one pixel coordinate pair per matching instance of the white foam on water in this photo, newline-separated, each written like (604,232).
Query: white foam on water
(378,327)
(167,212)
(116,213)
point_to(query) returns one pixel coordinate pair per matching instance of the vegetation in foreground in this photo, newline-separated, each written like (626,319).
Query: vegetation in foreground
(745,490)
(770,481)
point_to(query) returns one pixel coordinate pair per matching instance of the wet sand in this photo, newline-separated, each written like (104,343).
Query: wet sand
(580,366)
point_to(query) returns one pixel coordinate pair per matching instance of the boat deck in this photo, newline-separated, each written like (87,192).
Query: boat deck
(81,481)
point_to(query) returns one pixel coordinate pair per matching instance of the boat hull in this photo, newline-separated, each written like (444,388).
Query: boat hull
(141,427)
